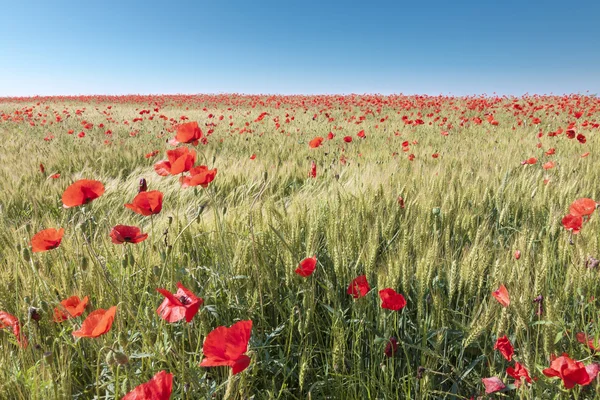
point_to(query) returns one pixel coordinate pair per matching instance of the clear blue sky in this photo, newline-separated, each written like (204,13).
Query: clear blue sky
(432,47)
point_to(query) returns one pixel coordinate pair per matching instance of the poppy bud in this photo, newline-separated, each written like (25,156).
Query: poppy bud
(26,254)
(84,263)
(420,372)
(120,358)
(517,254)
(391,347)
(143,186)
(34,314)
(48,356)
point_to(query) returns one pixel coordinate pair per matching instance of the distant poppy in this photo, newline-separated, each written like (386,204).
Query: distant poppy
(411,157)
(70,308)
(253,156)
(10,321)
(313,170)
(82,192)
(42,169)
(551,152)
(316,142)
(549,165)
(182,304)
(529,161)
(502,296)
(179,160)
(97,323)
(359,287)
(189,133)
(391,300)
(361,134)
(572,223)
(347,139)
(444,133)
(146,203)
(493,384)
(46,239)
(519,372)
(391,347)
(570,371)
(330,136)
(581,138)
(199,176)
(584,155)
(307,267)
(435,155)
(55,176)
(505,348)
(517,254)
(401,201)
(143,186)
(151,154)
(157,388)
(583,207)
(227,347)
(127,234)
(587,340)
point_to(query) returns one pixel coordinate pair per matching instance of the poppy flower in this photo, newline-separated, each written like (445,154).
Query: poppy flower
(411,157)
(143,187)
(313,170)
(570,371)
(391,300)
(587,340)
(435,155)
(505,348)
(316,142)
(582,207)
(97,323)
(253,157)
(391,347)
(178,161)
(188,133)
(359,287)
(70,308)
(347,139)
(517,254)
(199,176)
(306,266)
(46,239)
(127,234)
(146,203)
(82,192)
(10,321)
(157,388)
(519,372)
(529,161)
(361,134)
(549,165)
(573,223)
(227,347)
(42,168)
(584,155)
(551,151)
(330,136)
(55,176)
(581,138)
(151,154)
(182,304)
(502,296)
(493,384)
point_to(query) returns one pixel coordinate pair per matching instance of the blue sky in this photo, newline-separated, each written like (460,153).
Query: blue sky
(299,47)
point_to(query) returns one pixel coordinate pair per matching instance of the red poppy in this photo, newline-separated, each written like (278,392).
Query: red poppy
(70,308)
(347,139)
(146,203)
(97,323)
(502,296)
(82,192)
(188,133)
(361,134)
(529,161)
(505,348)
(253,156)
(157,388)
(127,234)
(551,151)
(151,154)
(411,157)
(549,165)
(179,160)
(307,266)
(227,347)
(581,138)
(517,254)
(42,169)
(519,372)
(582,207)
(391,300)
(330,135)
(182,304)
(570,371)
(143,187)
(401,201)
(313,170)
(493,384)
(46,239)
(587,340)
(10,321)
(55,176)
(316,142)
(359,287)
(573,223)
(391,347)
(199,176)
(584,155)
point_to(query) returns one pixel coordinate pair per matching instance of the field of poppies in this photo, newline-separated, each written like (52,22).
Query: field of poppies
(299,247)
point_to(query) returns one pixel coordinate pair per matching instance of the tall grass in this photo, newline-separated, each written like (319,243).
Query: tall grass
(237,243)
